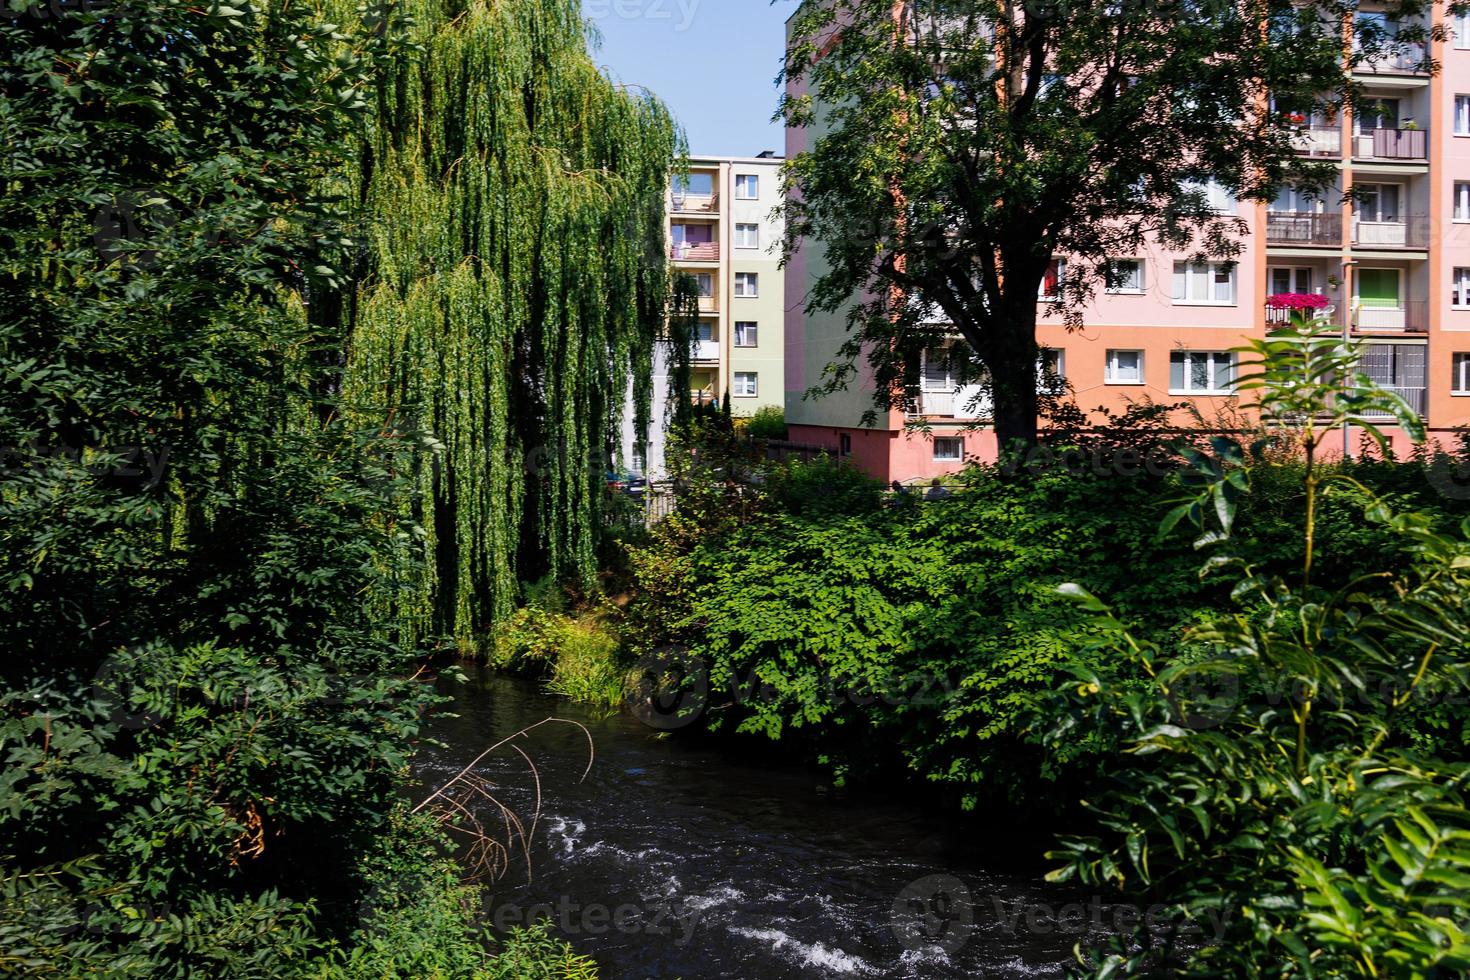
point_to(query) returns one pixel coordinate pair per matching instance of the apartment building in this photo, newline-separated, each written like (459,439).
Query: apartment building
(1390,265)
(723,232)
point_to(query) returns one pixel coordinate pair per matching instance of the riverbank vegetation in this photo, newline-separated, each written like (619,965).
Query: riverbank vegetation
(242,509)
(1262,718)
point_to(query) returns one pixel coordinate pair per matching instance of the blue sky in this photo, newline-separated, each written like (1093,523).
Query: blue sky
(713,62)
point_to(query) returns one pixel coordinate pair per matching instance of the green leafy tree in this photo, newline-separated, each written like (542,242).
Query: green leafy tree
(1268,793)
(958,147)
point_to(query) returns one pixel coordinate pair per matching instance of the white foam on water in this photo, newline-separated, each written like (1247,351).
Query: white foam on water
(724,895)
(811,954)
(568,831)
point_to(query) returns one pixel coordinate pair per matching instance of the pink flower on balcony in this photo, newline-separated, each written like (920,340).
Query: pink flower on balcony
(1305,302)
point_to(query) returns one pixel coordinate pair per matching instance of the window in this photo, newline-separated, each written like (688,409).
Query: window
(704,282)
(1051,282)
(1051,362)
(747,384)
(1398,366)
(1218,197)
(1461,383)
(747,284)
(844,444)
(1462,115)
(936,374)
(949,449)
(1286,279)
(1211,283)
(1462,201)
(706,331)
(1201,372)
(1124,367)
(747,236)
(1125,276)
(747,187)
(1378,114)
(1379,202)
(746,334)
(1295,201)
(1462,31)
(1460,289)
(694,185)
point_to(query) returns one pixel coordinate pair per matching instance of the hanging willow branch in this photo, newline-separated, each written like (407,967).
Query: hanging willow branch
(516,282)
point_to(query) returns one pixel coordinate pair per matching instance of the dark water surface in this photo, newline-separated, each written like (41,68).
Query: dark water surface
(676,859)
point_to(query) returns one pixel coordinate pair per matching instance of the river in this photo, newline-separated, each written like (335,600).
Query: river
(674,858)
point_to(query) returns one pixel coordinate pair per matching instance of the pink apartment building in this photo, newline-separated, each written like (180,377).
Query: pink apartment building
(1393,268)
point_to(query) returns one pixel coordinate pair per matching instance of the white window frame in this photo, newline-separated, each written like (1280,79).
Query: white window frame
(1212,359)
(742,181)
(1293,272)
(1111,374)
(1041,293)
(1058,354)
(700,278)
(1460,201)
(1460,288)
(1462,31)
(1460,380)
(740,380)
(1138,290)
(1217,195)
(1210,271)
(747,285)
(1461,125)
(949,441)
(755,235)
(699,328)
(753,329)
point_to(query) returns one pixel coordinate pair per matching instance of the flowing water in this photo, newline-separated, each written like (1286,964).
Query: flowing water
(676,858)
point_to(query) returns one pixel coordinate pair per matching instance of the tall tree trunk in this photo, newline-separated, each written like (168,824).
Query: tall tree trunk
(1010,357)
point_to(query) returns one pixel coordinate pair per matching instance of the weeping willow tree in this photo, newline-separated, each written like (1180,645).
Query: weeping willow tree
(515,285)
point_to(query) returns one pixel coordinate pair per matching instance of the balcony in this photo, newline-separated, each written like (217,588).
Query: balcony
(1407,60)
(950,404)
(1280,316)
(706,350)
(1418,399)
(1411,316)
(1317,141)
(1408,231)
(709,304)
(1303,228)
(695,251)
(694,203)
(1399,145)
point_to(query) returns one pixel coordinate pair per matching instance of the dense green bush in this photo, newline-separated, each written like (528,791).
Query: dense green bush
(578,654)
(1270,788)
(928,635)
(768,422)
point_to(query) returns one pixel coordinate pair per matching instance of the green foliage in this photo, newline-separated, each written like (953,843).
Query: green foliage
(579,654)
(1270,783)
(514,283)
(957,146)
(768,422)
(206,707)
(823,486)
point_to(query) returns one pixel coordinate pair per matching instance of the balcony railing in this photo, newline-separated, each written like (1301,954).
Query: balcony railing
(695,251)
(1408,231)
(1418,399)
(709,304)
(1303,228)
(1405,315)
(950,404)
(1280,316)
(1407,60)
(707,350)
(1392,144)
(1317,141)
(694,203)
